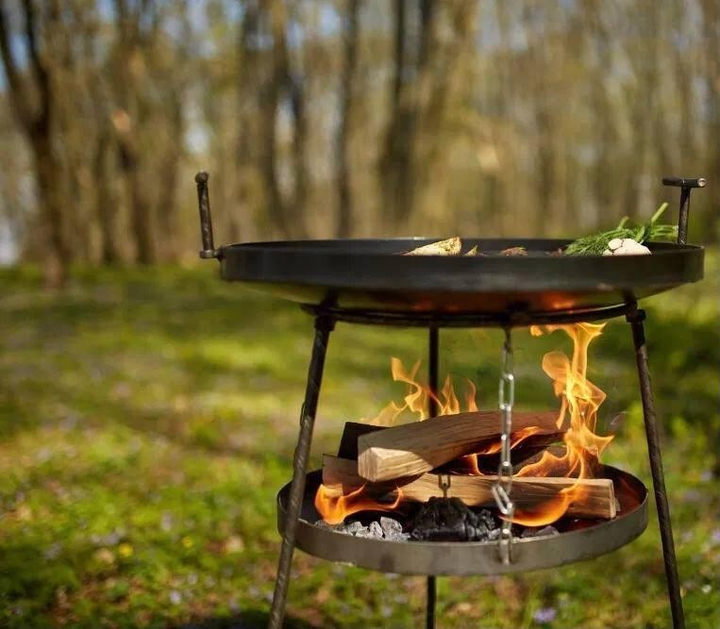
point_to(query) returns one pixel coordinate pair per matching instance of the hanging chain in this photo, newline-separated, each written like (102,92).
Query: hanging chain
(501,490)
(444,484)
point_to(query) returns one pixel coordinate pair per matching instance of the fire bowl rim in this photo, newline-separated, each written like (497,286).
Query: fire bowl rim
(369,275)
(466,558)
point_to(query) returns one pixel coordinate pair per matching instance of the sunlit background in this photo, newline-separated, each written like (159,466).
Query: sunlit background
(148,412)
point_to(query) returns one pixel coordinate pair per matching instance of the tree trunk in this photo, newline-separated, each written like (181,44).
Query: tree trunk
(441,84)
(105,204)
(168,184)
(269,101)
(301,175)
(342,149)
(242,223)
(49,188)
(128,121)
(38,124)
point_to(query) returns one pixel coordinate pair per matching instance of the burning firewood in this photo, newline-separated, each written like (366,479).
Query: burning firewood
(449,247)
(419,447)
(589,497)
(528,448)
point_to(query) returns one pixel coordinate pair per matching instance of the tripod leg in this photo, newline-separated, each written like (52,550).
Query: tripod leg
(323,327)
(433,355)
(636,318)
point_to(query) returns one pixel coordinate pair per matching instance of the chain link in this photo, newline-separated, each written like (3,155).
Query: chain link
(444,484)
(502,489)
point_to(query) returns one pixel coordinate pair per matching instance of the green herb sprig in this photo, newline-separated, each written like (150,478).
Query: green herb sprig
(595,244)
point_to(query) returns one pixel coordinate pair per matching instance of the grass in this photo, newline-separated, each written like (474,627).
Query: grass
(147,419)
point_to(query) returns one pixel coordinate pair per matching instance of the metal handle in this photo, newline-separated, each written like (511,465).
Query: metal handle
(206,230)
(686,184)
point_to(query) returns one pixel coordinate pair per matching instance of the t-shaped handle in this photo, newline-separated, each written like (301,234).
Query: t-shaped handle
(206,230)
(686,184)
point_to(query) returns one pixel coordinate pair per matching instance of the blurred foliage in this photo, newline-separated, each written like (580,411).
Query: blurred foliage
(149,417)
(330,118)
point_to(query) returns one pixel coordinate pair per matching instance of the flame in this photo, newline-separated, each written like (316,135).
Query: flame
(469,464)
(334,505)
(418,396)
(330,500)
(580,400)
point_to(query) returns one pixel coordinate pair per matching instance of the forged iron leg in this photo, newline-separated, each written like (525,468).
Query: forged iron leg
(433,350)
(430,610)
(636,318)
(323,327)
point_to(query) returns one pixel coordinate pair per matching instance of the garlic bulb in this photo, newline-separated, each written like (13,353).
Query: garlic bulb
(624,247)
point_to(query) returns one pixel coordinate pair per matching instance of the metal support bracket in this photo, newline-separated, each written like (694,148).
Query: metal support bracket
(686,184)
(206,231)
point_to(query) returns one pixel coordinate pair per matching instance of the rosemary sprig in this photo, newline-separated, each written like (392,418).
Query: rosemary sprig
(595,244)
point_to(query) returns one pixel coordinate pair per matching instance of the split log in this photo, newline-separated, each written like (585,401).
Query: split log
(524,452)
(529,449)
(595,498)
(352,431)
(419,447)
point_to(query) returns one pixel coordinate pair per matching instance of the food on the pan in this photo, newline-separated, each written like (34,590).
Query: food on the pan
(625,247)
(449,247)
(514,251)
(453,247)
(625,239)
(598,244)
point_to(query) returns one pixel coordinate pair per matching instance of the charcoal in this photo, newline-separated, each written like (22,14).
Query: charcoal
(397,537)
(487,519)
(450,519)
(376,529)
(351,528)
(539,532)
(390,526)
(369,531)
(354,527)
(324,525)
(548,530)
(494,534)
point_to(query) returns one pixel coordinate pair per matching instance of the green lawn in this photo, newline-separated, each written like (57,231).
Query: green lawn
(148,419)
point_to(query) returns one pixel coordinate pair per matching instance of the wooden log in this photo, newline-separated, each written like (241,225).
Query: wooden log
(534,457)
(595,497)
(419,447)
(348,448)
(528,448)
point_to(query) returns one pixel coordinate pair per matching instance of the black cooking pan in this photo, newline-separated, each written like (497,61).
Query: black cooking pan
(373,275)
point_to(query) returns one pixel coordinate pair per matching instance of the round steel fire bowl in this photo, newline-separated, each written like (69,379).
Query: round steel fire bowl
(346,276)
(597,537)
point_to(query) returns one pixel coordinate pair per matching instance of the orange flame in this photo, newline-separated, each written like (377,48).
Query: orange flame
(330,501)
(469,463)
(417,399)
(334,506)
(581,400)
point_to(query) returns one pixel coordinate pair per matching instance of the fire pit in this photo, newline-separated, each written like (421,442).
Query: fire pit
(414,498)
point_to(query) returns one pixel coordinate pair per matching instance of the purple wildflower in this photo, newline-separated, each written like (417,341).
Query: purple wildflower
(545,615)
